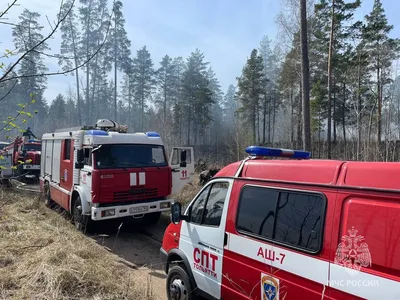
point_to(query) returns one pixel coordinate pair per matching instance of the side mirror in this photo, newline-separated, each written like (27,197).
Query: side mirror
(176,212)
(183,156)
(79,164)
(79,154)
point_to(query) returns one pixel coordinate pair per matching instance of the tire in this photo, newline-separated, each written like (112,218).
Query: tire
(179,286)
(47,196)
(81,222)
(151,218)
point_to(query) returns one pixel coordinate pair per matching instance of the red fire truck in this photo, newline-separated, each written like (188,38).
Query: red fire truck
(25,155)
(103,172)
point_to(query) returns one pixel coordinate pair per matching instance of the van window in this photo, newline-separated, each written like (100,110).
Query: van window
(67,149)
(197,209)
(207,208)
(286,217)
(176,156)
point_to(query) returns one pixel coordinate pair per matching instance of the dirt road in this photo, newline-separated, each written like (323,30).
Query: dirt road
(140,246)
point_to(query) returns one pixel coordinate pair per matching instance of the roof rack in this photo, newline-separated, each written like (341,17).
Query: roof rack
(259,151)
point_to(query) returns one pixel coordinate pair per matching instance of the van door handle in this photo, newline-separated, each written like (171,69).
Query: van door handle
(207,246)
(204,245)
(225,239)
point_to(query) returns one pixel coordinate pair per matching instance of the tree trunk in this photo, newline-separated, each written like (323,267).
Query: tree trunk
(330,54)
(264,116)
(269,120)
(378,76)
(344,114)
(305,72)
(299,118)
(254,124)
(165,100)
(115,70)
(129,104)
(292,118)
(334,110)
(78,98)
(188,126)
(359,108)
(273,116)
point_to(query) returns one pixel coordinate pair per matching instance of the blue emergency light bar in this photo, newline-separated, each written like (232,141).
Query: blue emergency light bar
(96,132)
(152,134)
(33,141)
(276,152)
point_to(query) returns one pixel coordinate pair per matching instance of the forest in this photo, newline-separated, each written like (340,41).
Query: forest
(354,89)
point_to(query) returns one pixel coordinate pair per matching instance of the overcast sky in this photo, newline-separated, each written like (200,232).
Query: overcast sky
(224,30)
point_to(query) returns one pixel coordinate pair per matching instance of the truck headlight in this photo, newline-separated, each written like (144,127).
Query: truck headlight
(108,213)
(165,205)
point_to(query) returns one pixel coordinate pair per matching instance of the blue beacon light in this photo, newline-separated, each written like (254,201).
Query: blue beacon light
(152,134)
(276,152)
(96,132)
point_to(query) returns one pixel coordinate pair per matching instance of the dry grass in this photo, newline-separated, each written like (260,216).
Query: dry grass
(189,191)
(42,256)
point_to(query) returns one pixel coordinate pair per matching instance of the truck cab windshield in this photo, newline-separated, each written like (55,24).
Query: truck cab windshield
(129,156)
(32,147)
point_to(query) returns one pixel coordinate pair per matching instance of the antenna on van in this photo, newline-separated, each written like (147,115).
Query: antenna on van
(258,151)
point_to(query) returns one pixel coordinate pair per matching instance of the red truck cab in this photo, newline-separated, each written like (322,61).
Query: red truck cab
(104,172)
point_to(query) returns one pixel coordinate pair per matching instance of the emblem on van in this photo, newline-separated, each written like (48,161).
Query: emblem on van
(269,287)
(352,255)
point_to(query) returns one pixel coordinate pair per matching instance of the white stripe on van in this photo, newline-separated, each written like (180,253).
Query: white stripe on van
(282,258)
(361,284)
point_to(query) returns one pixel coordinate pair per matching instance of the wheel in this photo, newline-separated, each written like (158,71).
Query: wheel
(179,286)
(47,197)
(80,221)
(151,218)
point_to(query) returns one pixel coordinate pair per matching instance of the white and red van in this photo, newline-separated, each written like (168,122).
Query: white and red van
(299,228)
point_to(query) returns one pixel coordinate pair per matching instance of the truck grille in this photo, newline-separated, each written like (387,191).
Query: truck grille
(135,194)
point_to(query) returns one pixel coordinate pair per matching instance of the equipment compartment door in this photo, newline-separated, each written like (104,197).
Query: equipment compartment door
(182,164)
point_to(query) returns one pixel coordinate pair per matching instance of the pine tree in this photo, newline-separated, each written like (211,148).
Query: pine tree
(94,17)
(229,105)
(121,45)
(250,89)
(166,83)
(27,34)
(58,113)
(196,93)
(143,78)
(128,92)
(213,120)
(382,51)
(178,102)
(334,33)
(69,58)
